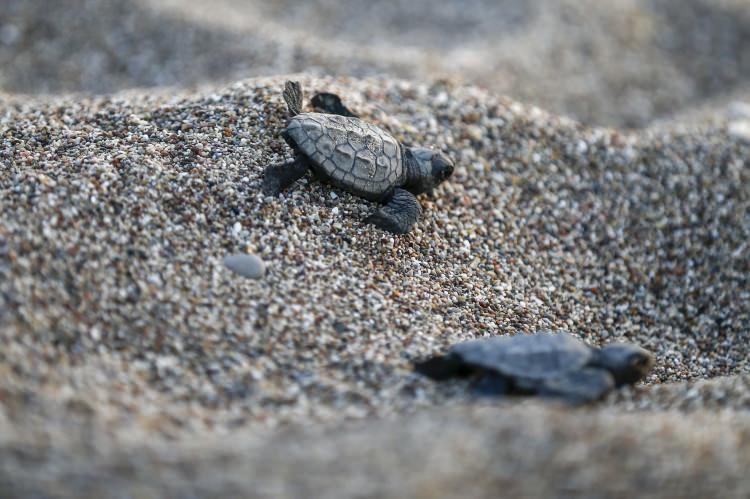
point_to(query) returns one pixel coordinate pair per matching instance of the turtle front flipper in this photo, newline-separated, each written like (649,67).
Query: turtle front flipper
(578,387)
(278,177)
(399,215)
(491,384)
(293,97)
(442,367)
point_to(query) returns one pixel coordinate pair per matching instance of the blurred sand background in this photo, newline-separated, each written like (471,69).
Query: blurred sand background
(602,186)
(622,63)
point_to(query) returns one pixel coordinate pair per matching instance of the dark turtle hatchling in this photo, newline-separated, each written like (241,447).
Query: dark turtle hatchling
(554,364)
(358,157)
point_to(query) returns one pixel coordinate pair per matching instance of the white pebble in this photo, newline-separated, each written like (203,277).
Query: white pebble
(740,129)
(245,265)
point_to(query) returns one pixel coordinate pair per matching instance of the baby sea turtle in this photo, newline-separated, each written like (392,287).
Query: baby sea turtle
(358,157)
(554,364)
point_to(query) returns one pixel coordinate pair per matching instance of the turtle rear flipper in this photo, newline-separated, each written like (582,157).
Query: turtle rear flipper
(400,213)
(278,177)
(293,97)
(578,387)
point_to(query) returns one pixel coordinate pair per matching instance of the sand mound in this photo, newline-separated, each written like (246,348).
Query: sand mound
(135,364)
(123,331)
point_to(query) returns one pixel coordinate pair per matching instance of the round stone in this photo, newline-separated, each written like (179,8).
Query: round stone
(245,265)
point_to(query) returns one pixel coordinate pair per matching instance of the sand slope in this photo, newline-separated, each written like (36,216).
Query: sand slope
(134,364)
(119,313)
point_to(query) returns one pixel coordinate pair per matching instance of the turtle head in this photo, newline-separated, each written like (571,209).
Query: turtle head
(426,169)
(627,363)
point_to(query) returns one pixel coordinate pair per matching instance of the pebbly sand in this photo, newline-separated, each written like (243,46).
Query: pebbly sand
(135,364)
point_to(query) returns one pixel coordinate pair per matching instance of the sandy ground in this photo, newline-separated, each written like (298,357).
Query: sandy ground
(134,364)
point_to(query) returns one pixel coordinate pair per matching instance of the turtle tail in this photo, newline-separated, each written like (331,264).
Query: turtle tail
(293,97)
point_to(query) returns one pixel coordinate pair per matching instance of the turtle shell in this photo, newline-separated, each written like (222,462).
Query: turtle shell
(526,356)
(352,154)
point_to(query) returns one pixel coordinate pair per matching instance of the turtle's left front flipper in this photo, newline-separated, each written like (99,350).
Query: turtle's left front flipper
(399,215)
(278,177)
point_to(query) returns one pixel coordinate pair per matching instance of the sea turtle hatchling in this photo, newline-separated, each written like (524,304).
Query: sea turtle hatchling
(358,157)
(553,364)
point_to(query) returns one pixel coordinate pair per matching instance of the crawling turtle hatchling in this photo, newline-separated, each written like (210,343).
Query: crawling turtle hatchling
(554,364)
(360,158)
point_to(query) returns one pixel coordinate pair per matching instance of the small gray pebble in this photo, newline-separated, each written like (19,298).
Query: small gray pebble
(245,265)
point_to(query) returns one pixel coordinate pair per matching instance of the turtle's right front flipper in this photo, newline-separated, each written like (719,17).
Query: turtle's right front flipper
(278,177)
(400,213)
